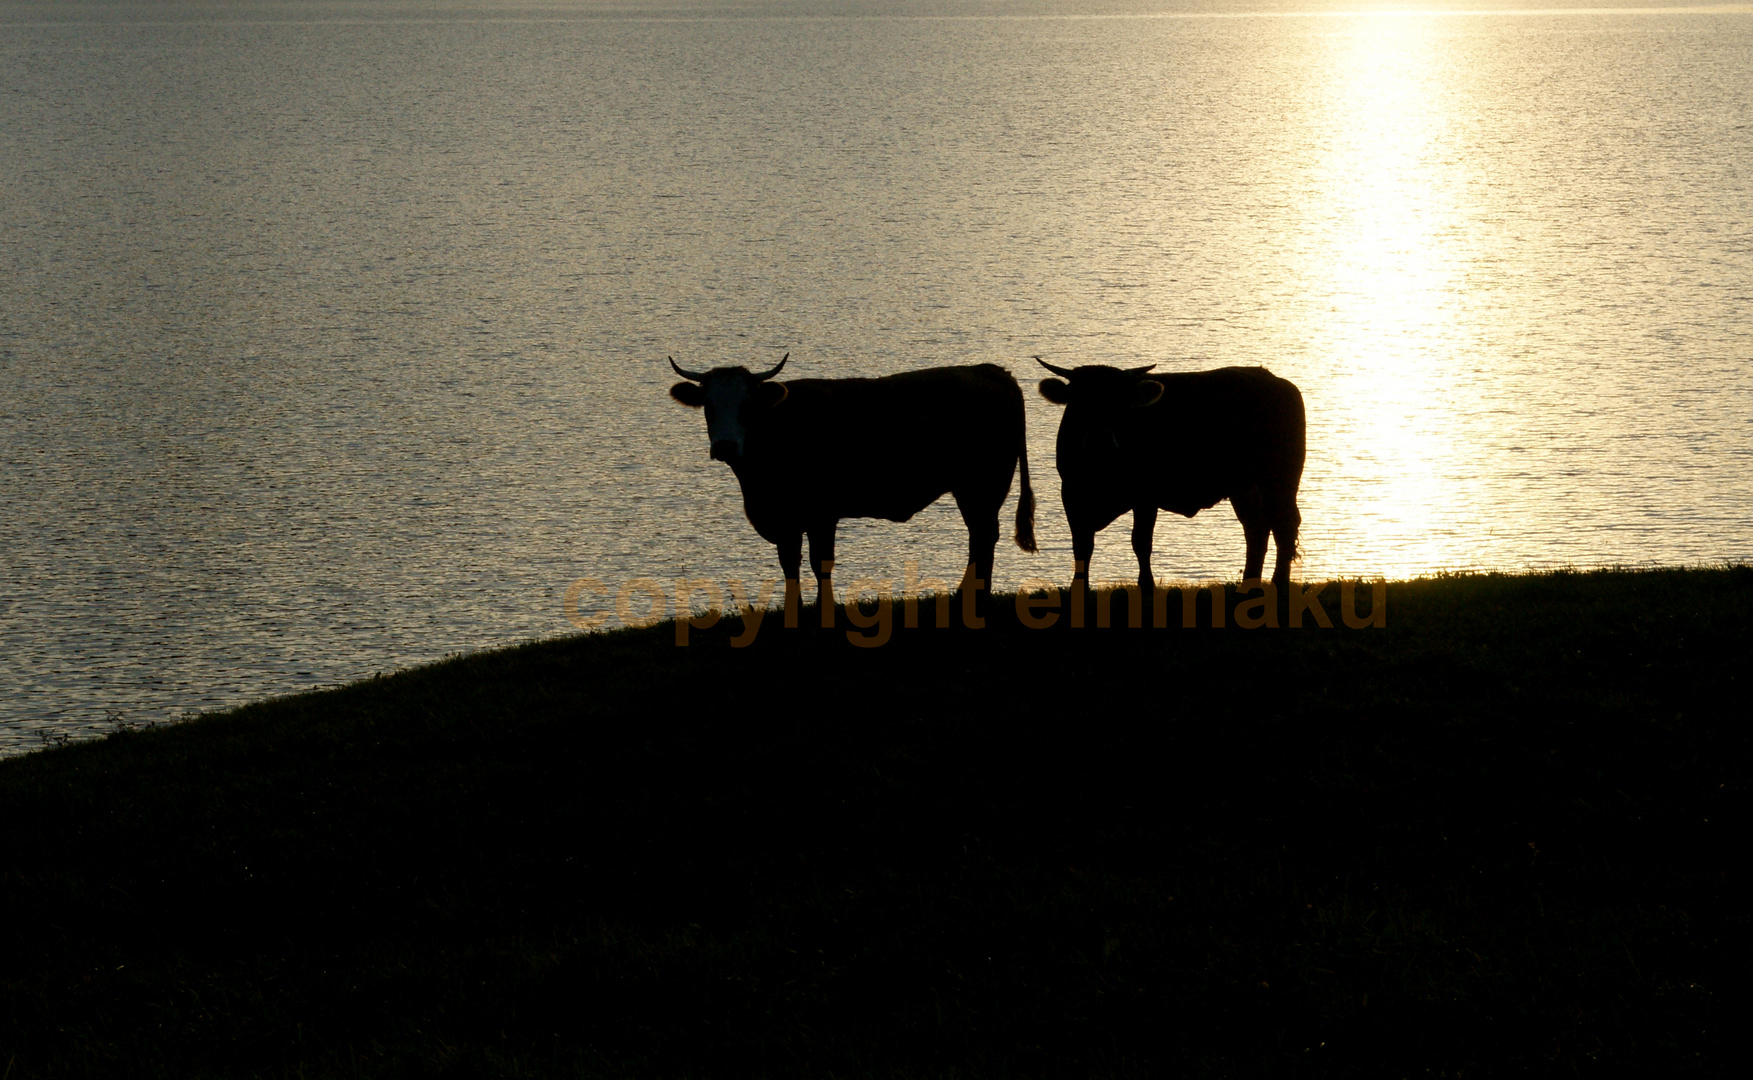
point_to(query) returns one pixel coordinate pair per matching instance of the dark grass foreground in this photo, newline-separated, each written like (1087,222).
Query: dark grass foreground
(1505,834)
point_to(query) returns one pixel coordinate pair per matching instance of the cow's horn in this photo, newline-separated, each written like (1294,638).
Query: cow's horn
(1059,371)
(1145,370)
(765,375)
(683,372)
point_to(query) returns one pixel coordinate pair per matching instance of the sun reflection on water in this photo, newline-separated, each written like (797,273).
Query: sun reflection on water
(1382,259)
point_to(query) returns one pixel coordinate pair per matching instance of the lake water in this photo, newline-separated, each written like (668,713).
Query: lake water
(332,336)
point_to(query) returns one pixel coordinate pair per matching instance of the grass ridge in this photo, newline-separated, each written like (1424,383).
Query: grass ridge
(1502,833)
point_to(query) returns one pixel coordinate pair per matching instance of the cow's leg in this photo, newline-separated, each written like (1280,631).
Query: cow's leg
(1286,522)
(982,544)
(1143,530)
(790,562)
(822,559)
(1083,545)
(1255,526)
(981,517)
(1256,532)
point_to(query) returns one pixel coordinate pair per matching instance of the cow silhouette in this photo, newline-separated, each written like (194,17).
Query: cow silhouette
(1131,440)
(809,452)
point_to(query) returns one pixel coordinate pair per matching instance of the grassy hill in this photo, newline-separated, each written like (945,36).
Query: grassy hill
(1504,833)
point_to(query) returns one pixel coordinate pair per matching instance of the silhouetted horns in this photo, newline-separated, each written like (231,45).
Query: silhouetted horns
(1145,370)
(1063,373)
(684,373)
(765,375)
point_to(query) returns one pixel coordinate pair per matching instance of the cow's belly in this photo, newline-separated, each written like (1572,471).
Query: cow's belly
(1189,503)
(889,507)
(776,520)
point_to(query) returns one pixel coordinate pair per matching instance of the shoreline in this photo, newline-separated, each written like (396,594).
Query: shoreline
(1502,830)
(35,735)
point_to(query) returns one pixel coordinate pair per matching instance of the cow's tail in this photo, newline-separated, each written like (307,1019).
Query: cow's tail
(1025,504)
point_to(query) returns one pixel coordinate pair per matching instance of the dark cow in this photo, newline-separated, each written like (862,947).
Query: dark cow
(809,452)
(1134,441)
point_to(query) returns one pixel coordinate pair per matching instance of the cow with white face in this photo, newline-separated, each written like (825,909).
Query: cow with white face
(809,452)
(725,394)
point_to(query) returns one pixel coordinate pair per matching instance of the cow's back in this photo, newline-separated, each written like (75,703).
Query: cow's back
(1214,432)
(887,447)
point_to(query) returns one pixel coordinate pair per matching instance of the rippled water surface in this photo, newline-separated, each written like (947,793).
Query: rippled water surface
(332,335)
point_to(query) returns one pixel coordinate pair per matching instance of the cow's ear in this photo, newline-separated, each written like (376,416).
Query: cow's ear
(1056,390)
(770,393)
(1146,392)
(690,394)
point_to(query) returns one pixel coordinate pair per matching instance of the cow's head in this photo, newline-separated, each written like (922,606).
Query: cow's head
(1099,401)
(730,396)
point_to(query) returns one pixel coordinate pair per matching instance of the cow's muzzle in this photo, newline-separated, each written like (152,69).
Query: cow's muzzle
(725,450)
